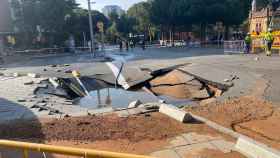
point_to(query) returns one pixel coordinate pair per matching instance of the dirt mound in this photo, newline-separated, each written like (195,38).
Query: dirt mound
(179,85)
(247,115)
(96,128)
(234,111)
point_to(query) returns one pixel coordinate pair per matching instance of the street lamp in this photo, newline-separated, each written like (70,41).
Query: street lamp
(92,44)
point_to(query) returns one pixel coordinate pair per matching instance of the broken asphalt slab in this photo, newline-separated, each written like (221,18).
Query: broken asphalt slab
(128,77)
(209,75)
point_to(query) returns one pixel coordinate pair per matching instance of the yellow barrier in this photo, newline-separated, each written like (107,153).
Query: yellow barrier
(69,151)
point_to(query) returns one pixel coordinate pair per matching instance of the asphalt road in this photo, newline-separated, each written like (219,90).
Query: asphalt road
(245,67)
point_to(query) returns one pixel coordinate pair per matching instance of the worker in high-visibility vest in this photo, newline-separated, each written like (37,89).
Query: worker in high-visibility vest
(248,42)
(269,41)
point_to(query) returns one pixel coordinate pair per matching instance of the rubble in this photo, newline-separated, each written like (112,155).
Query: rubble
(33,75)
(21,100)
(134,104)
(16,74)
(54,82)
(29,83)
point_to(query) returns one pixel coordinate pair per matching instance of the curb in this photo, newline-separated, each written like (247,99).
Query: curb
(244,145)
(251,148)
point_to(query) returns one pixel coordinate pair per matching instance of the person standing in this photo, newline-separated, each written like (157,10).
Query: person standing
(143,45)
(121,45)
(126,45)
(268,41)
(248,42)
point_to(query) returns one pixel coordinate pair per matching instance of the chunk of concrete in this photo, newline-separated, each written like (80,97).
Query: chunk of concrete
(21,100)
(251,148)
(54,82)
(33,75)
(16,74)
(128,77)
(134,104)
(175,113)
(28,83)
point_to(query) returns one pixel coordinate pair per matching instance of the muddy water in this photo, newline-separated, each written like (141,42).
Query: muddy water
(120,98)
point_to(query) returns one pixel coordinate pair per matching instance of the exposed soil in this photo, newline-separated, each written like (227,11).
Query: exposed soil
(138,134)
(179,85)
(234,111)
(248,115)
(99,128)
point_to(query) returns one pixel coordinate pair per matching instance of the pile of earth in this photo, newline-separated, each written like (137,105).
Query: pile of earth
(248,115)
(98,128)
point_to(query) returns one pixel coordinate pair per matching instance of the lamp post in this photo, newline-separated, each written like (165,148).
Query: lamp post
(92,44)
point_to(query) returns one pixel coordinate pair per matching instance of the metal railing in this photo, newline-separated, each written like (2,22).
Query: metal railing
(69,151)
(236,46)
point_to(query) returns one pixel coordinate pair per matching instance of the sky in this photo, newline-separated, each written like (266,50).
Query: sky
(99,4)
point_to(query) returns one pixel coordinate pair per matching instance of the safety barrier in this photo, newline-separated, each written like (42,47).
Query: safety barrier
(236,46)
(67,151)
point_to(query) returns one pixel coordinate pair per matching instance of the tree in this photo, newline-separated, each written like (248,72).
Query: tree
(47,16)
(78,24)
(141,13)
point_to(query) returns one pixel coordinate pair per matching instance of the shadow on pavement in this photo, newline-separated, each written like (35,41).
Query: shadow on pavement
(19,123)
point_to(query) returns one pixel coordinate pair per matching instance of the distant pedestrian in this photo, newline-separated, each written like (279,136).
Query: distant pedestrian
(131,44)
(269,39)
(248,42)
(121,45)
(126,45)
(143,45)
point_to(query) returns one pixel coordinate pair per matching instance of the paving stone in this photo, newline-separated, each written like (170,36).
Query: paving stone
(194,138)
(165,154)
(223,145)
(191,151)
(178,141)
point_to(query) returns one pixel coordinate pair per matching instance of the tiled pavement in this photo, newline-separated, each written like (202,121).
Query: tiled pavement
(189,145)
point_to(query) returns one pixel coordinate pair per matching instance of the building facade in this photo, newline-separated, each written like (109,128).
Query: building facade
(262,19)
(107,10)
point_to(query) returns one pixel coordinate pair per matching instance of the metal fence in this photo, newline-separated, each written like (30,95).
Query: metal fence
(237,46)
(61,150)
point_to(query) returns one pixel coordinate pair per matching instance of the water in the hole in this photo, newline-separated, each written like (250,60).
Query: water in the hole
(120,98)
(111,97)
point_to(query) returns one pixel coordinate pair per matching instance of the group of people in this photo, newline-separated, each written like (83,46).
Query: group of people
(268,38)
(130,44)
